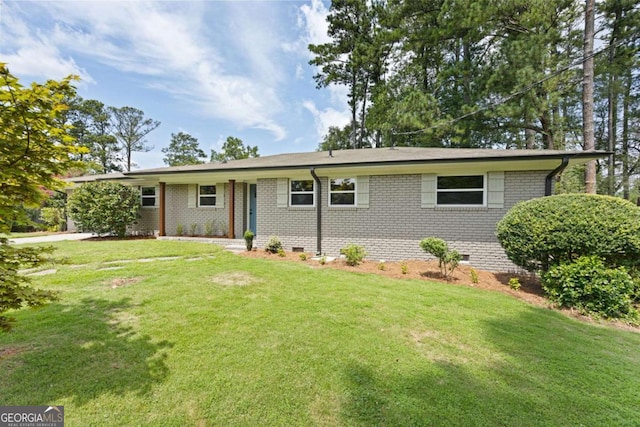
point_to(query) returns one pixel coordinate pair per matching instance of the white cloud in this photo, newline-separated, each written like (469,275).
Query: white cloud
(326,118)
(165,42)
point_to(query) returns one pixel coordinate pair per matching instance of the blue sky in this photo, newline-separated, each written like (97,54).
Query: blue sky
(212,69)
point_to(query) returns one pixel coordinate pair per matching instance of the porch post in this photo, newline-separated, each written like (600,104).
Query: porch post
(232,208)
(161,210)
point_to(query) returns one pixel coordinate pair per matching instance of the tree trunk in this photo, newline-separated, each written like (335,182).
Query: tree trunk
(625,136)
(587,95)
(612,125)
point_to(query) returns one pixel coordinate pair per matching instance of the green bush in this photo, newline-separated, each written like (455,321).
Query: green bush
(354,254)
(274,245)
(588,285)
(539,233)
(104,207)
(54,218)
(248,239)
(448,259)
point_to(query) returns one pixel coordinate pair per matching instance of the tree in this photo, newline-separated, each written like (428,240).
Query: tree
(35,150)
(336,139)
(587,94)
(234,149)
(104,207)
(91,126)
(183,150)
(130,128)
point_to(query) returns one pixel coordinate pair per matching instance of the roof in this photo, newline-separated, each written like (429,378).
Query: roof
(369,161)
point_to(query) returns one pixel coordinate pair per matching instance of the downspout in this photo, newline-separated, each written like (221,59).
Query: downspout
(548,184)
(318,211)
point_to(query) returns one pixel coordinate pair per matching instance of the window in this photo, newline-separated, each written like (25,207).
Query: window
(207,195)
(148,196)
(461,190)
(342,192)
(301,193)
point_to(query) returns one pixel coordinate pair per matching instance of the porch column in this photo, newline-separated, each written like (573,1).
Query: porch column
(232,208)
(161,210)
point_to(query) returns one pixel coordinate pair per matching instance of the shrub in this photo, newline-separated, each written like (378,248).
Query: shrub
(54,218)
(588,285)
(354,254)
(474,276)
(303,257)
(322,260)
(282,253)
(273,245)
(179,230)
(404,268)
(539,233)
(514,283)
(448,259)
(382,266)
(104,207)
(193,229)
(208,228)
(248,239)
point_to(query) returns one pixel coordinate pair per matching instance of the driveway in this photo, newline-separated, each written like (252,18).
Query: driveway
(52,238)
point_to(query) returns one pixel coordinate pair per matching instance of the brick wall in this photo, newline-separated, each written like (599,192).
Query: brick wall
(394,223)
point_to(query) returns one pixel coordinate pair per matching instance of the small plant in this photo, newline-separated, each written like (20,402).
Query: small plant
(514,283)
(404,268)
(448,259)
(179,230)
(303,257)
(282,253)
(474,276)
(208,228)
(273,245)
(193,229)
(381,266)
(354,254)
(248,239)
(323,260)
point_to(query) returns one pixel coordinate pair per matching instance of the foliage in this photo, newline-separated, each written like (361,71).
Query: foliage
(404,268)
(303,257)
(539,233)
(36,148)
(322,260)
(248,239)
(15,291)
(354,254)
(382,266)
(179,230)
(273,245)
(234,149)
(448,259)
(514,283)
(193,229)
(54,218)
(282,253)
(183,150)
(104,207)
(590,286)
(474,276)
(91,126)
(130,129)
(208,228)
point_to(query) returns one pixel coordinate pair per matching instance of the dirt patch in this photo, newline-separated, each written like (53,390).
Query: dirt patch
(124,281)
(235,278)
(531,290)
(9,352)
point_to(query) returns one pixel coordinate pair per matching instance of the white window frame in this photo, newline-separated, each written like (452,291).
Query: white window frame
(144,197)
(462,190)
(292,193)
(354,192)
(208,195)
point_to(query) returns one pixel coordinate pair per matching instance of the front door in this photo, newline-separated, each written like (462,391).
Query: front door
(252,207)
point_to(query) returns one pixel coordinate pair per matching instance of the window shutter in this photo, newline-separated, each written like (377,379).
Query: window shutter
(362,191)
(220,195)
(193,194)
(157,201)
(495,189)
(283,193)
(428,190)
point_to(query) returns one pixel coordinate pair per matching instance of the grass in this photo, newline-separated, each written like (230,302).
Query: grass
(216,339)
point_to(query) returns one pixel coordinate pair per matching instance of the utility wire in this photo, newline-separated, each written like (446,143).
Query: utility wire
(515,94)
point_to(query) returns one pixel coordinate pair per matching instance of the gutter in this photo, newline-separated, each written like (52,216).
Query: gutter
(548,183)
(318,212)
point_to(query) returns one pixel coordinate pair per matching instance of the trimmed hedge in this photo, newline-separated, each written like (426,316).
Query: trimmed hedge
(540,233)
(588,285)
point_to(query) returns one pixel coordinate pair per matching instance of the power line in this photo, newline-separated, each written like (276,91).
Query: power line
(515,94)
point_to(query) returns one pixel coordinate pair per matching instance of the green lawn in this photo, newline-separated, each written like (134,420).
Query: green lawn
(217,339)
